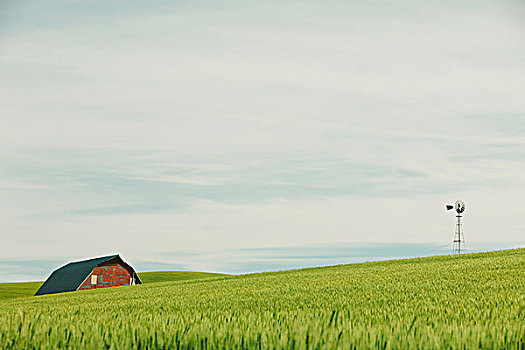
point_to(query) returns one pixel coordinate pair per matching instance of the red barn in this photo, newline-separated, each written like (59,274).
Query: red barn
(107,271)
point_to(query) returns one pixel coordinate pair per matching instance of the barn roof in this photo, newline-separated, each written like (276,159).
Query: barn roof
(69,277)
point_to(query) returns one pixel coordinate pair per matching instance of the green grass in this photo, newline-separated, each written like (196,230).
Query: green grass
(27,289)
(18,289)
(169,276)
(450,302)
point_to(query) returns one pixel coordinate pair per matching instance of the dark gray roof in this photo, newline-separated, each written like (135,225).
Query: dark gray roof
(69,277)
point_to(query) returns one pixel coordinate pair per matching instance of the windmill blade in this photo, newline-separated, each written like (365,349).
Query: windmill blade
(449,207)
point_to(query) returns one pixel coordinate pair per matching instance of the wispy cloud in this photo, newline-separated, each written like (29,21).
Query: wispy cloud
(27,270)
(109,184)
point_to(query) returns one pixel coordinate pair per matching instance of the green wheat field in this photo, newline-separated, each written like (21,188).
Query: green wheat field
(448,302)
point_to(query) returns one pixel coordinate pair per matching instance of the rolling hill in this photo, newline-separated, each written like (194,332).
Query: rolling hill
(170,276)
(462,301)
(27,289)
(18,289)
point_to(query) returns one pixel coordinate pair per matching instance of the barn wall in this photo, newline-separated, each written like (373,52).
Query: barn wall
(111,275)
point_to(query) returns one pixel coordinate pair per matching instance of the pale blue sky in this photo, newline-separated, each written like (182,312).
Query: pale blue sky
(241,136)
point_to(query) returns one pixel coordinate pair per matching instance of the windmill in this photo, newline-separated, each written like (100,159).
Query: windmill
(459,239)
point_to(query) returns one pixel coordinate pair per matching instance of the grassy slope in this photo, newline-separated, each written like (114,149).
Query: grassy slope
(27,289)
(18,290)
(467,301)
(169,276)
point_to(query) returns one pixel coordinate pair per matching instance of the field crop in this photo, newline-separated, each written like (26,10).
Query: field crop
(467,301)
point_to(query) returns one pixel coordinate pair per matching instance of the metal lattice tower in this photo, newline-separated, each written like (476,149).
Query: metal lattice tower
(459,238)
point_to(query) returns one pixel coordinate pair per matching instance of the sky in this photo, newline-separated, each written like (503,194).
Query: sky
(243,136)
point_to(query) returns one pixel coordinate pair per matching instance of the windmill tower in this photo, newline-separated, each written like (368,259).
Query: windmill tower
(459,239)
